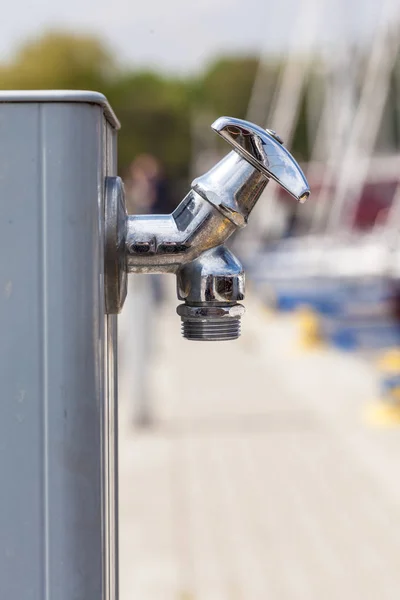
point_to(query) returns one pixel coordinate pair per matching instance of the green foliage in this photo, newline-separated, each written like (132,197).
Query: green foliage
(156,111)
(59,60)
(226,86)
(300,146)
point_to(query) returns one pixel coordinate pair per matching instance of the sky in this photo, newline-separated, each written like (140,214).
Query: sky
(182,36)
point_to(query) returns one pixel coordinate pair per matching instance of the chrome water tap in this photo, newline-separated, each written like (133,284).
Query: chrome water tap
(189,242)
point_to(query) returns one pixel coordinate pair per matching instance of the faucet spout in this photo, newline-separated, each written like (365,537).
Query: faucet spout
(211,286)
(233,186)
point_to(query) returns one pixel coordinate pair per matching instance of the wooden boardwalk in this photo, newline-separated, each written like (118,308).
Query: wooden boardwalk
(259,479)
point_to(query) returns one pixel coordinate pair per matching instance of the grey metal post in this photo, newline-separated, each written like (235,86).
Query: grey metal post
(58,422)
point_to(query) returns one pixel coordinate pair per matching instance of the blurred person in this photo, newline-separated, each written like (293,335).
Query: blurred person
(146,186)
(146,193)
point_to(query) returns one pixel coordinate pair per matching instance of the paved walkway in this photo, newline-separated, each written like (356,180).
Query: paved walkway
(259,479)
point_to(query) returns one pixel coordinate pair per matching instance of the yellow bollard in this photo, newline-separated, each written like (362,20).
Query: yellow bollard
(386,411)
(309,329)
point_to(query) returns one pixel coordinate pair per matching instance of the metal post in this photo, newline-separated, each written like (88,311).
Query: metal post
(58,423)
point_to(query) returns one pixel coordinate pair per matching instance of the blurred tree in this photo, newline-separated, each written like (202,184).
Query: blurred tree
(155,112)
(59,60)
(226,86)
(300,146)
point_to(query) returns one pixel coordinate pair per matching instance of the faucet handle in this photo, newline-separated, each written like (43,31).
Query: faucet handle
(263,149)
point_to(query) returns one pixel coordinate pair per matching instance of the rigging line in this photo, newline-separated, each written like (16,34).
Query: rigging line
(365,128)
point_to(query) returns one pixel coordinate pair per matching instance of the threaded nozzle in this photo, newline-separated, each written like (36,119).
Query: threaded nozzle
(212,330)
(215,323)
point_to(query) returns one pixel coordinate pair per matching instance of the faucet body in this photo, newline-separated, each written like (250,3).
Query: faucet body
(190,241)
(162,243)
(218,203)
